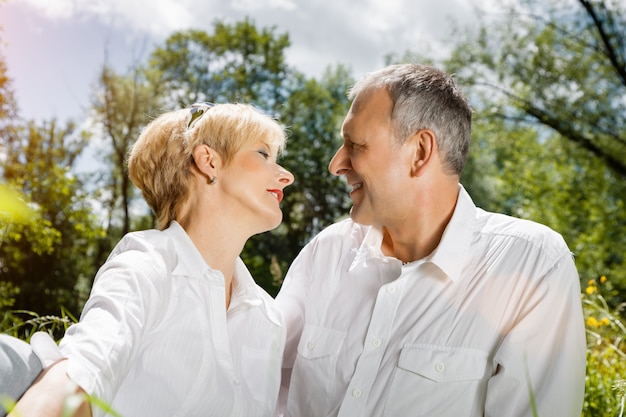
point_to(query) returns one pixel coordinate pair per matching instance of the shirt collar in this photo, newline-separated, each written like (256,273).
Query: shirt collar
(189,260)
(191,263)
(246,293)
(370,247)
(450,254)
(453,249)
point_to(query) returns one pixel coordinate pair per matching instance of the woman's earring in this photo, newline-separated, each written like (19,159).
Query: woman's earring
(212,181)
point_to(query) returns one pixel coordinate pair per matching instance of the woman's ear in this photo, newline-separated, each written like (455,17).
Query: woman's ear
(424,146)
(207,161)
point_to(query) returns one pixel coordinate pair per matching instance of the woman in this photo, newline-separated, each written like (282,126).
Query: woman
(175,324)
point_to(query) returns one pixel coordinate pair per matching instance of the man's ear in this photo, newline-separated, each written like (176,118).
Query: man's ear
(424,146)
(207,161)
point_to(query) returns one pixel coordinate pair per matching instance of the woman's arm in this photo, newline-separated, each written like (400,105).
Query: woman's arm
(52,393)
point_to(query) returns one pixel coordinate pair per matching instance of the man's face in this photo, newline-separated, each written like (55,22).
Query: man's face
(375,166)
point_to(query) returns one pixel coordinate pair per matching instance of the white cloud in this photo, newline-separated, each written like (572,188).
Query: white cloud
(322,33)
(327,28)
(247,6)
(53,9)
(154,17)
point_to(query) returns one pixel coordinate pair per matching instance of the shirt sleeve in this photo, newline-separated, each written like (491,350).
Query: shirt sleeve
(542,359)
(123,305)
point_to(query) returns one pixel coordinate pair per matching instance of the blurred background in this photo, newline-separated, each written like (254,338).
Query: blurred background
(78,80)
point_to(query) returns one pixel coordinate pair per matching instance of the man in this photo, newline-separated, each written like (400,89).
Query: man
(422,304)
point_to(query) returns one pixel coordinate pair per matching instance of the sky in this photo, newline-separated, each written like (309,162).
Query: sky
(54,49)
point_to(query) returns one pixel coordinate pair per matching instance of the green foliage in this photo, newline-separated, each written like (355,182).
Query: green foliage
(8,106)
(23,323)
(12,206)
(237,63)
(560,64)
(606,352)
(122,106)
(8,291)
(47,255)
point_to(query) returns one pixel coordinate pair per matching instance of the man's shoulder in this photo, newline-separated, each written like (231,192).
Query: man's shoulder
(336,239)
(342,231)
(532,232)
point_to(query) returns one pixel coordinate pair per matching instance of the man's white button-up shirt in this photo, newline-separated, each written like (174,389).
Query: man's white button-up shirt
(493,314)
(155,338)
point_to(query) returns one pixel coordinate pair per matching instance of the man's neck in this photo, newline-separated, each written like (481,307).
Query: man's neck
(418,234)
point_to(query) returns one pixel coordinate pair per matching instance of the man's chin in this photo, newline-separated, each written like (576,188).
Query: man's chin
(360,218)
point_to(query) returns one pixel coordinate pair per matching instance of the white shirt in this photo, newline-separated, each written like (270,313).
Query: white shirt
(155,339)
(464,332)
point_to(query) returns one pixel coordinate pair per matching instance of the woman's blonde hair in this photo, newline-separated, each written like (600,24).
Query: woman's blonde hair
(159,162)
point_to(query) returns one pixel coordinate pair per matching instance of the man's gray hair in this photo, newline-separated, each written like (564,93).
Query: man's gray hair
(425,98)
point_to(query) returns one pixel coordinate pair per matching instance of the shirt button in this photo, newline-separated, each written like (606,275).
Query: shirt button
(236,382)
(391,290)
(356,393)
(439,367)
(376,342)
(310,345)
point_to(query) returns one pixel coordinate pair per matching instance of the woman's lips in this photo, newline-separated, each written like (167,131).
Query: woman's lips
(277,193)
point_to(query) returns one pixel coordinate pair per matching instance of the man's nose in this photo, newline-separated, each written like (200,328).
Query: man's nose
(340,163)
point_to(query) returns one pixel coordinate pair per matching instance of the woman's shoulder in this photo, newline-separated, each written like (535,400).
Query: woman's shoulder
(151,252)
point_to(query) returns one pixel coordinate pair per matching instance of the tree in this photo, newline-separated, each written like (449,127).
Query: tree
(560,64)
(47,258)
(12,207)
(237,62)
(122,106)
(8,105)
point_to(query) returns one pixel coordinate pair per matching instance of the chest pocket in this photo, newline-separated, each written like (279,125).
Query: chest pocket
(318,342)
(442,363)
(424,372)
(313,375)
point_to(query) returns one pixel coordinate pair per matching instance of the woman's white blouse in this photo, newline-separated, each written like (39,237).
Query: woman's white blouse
(155,339)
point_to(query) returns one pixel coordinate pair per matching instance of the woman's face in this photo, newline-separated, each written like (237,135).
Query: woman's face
(253,186)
